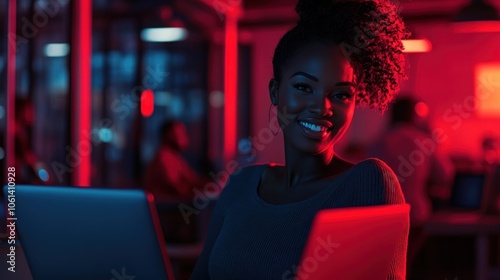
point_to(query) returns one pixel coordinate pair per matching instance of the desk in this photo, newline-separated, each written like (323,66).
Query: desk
(448,223)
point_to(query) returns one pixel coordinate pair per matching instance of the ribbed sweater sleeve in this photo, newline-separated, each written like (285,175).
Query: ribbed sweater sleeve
(200,271)
(381,186)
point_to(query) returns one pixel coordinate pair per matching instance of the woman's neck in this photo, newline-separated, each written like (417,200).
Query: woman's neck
(303,168)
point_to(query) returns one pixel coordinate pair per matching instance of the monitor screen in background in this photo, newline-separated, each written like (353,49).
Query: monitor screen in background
(467,190)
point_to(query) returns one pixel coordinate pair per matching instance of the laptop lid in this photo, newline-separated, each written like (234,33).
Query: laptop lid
(87,233)
(353,243)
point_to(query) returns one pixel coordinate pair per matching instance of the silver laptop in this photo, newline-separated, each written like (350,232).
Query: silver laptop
(87,233)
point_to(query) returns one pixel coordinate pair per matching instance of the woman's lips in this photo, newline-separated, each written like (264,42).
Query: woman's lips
(315,131)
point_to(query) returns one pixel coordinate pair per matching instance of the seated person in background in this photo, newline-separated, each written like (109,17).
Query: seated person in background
(322,69)
(169,175)
(26,161)
(410,148)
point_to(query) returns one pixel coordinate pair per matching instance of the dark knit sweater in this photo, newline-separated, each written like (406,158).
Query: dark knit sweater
(251,239)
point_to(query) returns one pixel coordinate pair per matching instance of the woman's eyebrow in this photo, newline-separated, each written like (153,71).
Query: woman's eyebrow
(311,77)
(305,75)
(345,84)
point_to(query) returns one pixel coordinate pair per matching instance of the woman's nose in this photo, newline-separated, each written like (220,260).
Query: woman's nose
(321,106)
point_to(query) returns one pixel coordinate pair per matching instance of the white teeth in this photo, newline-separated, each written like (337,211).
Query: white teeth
(314,127)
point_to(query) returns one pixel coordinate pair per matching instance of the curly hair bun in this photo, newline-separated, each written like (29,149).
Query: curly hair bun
(370,33)
(310,10)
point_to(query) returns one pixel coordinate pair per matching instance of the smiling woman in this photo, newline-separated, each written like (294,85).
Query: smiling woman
(316,82)
(340,54)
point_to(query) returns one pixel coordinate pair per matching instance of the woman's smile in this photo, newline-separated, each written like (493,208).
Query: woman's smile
(317,129)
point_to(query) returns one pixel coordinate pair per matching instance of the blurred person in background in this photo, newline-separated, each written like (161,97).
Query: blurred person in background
(26,162)
(410,147)
(169,175)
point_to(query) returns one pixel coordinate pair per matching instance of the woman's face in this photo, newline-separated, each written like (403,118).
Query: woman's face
(317,93)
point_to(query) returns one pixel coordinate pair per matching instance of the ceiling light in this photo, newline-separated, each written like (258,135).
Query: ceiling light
(417,46)
(56,50)
(165,34)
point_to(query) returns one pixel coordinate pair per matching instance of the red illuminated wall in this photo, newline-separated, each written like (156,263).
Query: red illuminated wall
(446,78)
(265,40)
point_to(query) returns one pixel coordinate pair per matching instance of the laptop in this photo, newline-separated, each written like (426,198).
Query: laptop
(87,233)
(467,191)
(353,243)
(475,193)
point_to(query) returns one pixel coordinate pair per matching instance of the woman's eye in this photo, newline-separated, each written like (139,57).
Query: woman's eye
(303,87)
(342,95)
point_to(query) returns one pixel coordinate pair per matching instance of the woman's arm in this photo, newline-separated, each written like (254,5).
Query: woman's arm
(201,269)
(227,197)
(391,193)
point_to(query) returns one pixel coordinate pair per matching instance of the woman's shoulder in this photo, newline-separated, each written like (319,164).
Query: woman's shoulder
(373,165)
(368,168)
(373,168)
(375,176)
(243,177)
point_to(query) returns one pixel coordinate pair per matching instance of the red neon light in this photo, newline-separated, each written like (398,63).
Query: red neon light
(147,103)
(230,85)
(82,114)
(476,27)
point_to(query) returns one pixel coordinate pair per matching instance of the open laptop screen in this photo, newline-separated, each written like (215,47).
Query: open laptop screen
(467,190)
(86,233)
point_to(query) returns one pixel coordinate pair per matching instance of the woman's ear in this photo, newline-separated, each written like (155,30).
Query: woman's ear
(273,91)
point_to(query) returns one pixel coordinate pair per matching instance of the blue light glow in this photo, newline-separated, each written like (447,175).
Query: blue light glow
(43,174)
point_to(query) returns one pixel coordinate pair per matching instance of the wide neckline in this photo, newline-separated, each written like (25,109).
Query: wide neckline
(333,184)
